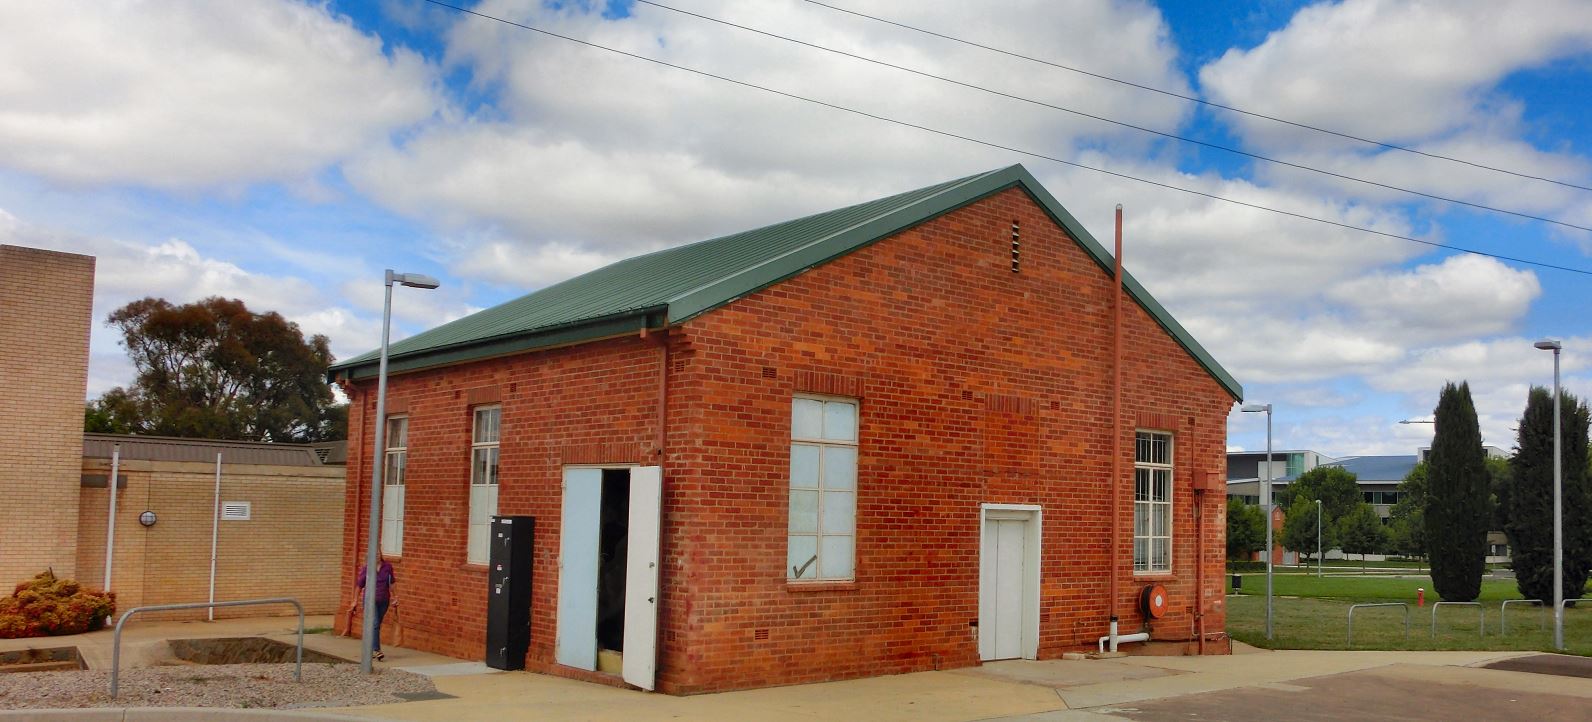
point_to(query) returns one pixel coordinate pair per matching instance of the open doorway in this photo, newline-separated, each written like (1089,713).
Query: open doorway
(608,571)
(613,544)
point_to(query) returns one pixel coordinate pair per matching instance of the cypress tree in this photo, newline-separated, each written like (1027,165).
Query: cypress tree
(1457,498)
(1529,501)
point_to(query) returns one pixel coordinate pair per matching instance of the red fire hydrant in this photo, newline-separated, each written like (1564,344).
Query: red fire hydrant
(1420,597)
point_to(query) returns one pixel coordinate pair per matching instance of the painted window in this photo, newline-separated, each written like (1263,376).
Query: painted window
(1152,502)
(392,486)
(823,489)
(483,481)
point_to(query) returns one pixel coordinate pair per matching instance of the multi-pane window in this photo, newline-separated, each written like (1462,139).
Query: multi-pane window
(392,489)
(483,481)
(1152,502)
(823,489)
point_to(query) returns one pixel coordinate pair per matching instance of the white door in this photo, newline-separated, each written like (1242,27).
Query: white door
(1008,626)
(641,576)
(576,644)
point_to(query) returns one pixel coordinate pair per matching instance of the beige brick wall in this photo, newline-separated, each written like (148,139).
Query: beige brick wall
(288,548)
(46,309)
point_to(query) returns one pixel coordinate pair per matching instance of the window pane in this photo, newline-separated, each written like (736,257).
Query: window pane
(840,512)
(394,474)
(1163,520)
(803,511)
(1163,485)
(1141,484)
(1141,554)
(803,466)
(493,477)
(840,467)
(1141,519)
(486,425)
(840,421)
(397,433)
(1141,447)
(801,558)
(836,558)
(1161,449)
(806,418)
(1161,554)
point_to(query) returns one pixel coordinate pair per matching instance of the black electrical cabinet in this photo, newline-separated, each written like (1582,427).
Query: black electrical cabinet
(508,600)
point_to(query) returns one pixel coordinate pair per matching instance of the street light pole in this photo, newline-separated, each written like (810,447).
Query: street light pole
(1265,504)
(1318,539)
(377,460)
(1558,503)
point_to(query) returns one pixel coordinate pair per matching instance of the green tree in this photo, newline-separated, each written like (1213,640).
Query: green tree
(1407,529)
(1299,527)
(1458,509)
(1530,497)
(1499,476)
(214,369)
(1361,532)
(1336,487)
(1246,529)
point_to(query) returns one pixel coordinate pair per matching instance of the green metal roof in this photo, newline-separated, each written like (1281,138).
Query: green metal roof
(677,284)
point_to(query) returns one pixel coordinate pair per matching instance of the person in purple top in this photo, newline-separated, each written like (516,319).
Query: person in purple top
(384,582)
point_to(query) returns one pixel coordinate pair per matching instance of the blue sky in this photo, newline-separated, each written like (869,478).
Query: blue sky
(285,153)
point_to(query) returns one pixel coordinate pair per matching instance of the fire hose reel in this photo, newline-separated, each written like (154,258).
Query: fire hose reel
(1152,600)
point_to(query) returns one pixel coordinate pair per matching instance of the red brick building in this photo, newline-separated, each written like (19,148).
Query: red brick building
(883,437)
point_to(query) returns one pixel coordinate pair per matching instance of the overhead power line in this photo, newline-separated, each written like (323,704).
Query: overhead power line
(1143,129)
(1201,101)
(998,146)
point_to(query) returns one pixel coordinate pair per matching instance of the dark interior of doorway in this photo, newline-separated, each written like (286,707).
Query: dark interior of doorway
(612,543)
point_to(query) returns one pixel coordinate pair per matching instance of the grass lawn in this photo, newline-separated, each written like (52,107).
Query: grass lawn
(1311,613)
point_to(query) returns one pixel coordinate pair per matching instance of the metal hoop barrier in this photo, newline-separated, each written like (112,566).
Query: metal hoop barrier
(1481,615)
(1503,616)
(1353,607)
(116,643)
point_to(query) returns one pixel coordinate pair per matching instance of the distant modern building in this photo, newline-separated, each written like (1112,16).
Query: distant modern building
(1378,476)
(1246,470)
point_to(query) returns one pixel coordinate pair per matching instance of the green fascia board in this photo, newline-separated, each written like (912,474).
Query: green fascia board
(576,333)
(453,342)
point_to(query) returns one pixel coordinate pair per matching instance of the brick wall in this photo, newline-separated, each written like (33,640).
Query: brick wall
(288,548)
(977,385)
(46,309)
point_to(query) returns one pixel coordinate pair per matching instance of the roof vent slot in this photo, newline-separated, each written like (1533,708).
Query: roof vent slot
(1016,247)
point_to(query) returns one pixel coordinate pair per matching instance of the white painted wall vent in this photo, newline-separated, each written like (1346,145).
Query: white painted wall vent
(235,510)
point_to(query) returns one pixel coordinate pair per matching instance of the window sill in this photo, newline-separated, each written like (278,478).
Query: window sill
(473,567)
(803,587)
(1154,577)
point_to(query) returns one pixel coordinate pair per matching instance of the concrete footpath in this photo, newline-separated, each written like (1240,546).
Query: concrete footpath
(1248,685)
(1408,684)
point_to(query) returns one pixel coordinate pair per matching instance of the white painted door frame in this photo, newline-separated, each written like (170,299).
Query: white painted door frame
(1031,515)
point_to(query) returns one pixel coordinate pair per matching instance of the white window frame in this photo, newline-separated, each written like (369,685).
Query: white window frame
(394,486)
(812,570)
(1146,532)
(483,485)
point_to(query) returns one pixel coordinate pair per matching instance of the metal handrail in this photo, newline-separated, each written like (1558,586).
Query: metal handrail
(1353,607)
(1481,615)
(116,644)
(1503,618)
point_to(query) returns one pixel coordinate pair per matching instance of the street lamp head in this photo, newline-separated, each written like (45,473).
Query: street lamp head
(1255,408)
(416,280)
(1548,344)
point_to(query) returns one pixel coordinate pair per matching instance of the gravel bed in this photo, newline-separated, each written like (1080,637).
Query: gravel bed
(220,685)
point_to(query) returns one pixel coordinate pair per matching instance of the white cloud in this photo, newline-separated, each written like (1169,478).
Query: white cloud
(189,95)
(511,264)
(1461,297)
(1395,71)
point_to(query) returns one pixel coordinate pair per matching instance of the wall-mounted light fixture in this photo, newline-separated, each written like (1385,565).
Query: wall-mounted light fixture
(147,518)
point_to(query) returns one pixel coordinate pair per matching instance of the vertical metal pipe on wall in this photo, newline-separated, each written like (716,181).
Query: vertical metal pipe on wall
(110,524)
(215,529)
(1116,433)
